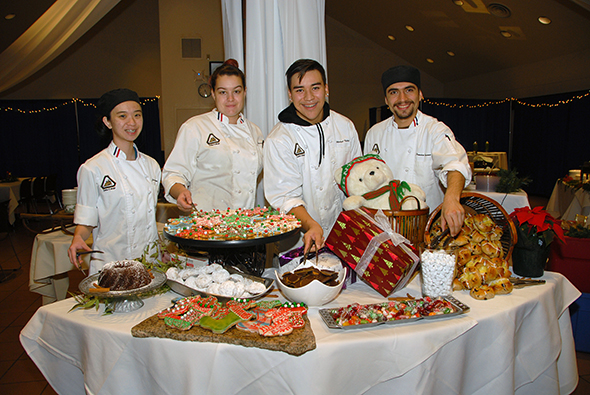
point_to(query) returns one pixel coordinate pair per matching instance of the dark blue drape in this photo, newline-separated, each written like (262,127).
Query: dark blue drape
(43,137)
(551,136)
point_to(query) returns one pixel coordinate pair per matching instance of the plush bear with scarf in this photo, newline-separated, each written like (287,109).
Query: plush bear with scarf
(368,182)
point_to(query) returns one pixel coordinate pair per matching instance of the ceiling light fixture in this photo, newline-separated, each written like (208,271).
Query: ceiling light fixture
(9,16)
(544,20)
(429,60)
(450,53)
(391,37)
(506,33)
(458,2)
(410,28)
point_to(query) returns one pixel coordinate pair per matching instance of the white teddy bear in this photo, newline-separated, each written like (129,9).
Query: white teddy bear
(368,182)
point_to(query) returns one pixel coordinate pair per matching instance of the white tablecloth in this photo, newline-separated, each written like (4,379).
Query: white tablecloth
(566,202)
(11,191)
(519,343)
(508,201)
(50,265)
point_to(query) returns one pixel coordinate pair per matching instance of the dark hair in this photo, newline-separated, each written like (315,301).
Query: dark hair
(301,67)
(229,67)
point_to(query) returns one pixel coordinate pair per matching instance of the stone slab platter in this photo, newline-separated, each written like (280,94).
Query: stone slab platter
(297,343)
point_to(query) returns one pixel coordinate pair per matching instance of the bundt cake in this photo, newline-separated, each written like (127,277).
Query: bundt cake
(124,275)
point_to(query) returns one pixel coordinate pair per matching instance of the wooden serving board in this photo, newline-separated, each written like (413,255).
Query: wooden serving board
(297,343)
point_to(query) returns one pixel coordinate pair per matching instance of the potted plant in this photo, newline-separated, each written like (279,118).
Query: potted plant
(535,229)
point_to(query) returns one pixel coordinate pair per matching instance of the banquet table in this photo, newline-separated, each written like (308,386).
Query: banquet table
(50,265)
(11,191)
(567,202)
(519,343)
(499,159)
(508,201)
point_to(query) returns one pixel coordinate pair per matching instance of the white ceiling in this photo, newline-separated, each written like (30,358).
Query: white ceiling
(470,31)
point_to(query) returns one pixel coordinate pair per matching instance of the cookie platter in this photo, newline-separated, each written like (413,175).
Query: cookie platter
(215,243)
(182,289)
(455,307)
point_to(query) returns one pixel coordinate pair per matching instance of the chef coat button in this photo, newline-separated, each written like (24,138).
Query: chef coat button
(329,140)
(239,191)
(237,151)
(409,150)
(132,211)
(253,172)
(251,191)
(407,170)
(326,208)
(385,149)
(125,177)
(321,188)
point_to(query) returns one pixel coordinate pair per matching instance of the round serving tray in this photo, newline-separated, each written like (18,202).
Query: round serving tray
(86,284)
(214,244)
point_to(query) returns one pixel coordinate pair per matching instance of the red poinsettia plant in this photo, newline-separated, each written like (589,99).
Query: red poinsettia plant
(536,226)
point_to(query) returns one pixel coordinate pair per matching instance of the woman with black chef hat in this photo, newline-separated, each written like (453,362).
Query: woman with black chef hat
(117,188)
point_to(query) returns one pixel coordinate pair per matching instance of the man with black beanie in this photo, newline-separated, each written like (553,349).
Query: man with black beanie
(418,148)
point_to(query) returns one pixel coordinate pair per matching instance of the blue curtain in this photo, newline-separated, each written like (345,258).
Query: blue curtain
(42,137)
(551,136)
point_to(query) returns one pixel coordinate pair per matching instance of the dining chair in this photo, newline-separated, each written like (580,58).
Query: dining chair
(39,194)
(26,194)
(6,227)
(51,190)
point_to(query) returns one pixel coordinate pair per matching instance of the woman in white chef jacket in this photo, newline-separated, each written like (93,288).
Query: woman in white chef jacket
(117,188)
(217,156)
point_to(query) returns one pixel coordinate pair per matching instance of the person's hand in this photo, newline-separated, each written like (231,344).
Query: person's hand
(452,215)
(184,201)
(313,239)
(77,244)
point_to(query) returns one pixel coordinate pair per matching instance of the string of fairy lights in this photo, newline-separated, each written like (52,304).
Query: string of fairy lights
(429,101)
(66,103)
(519,101)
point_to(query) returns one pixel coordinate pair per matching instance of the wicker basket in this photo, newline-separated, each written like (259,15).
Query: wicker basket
(409,223)
(480,204)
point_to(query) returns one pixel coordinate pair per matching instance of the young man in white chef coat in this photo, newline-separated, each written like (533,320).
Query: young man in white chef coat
(418,148)
(303,151)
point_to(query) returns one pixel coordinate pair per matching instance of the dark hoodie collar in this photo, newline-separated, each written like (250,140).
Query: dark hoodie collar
(289,115)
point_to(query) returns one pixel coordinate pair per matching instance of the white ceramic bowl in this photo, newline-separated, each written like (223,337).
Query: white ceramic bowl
(313,294)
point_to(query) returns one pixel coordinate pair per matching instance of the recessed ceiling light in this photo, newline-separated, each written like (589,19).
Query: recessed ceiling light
(544,20)
(450,53)
(410,28)
(9,16)
(458,2)
(506,33)
(391,37)
(429,60)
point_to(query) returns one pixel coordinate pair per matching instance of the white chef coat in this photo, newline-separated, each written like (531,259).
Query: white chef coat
(421,154)
(293,175)
(219,163)
(118,198)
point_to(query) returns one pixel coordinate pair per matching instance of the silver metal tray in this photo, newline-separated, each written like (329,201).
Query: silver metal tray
(86,284)
(460,308)
(184,290)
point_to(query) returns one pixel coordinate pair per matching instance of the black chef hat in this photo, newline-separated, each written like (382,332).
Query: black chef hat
(400,74)
(111,99)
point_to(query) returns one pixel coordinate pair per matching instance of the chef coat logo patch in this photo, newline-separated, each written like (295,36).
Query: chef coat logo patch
(298,150)
(376,149)
(108,183)
(212,140)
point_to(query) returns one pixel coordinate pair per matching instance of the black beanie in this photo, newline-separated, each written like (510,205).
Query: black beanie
(400,74)
(111,99)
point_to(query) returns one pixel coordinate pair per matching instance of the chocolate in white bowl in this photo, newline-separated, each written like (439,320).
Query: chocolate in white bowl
(313,294)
